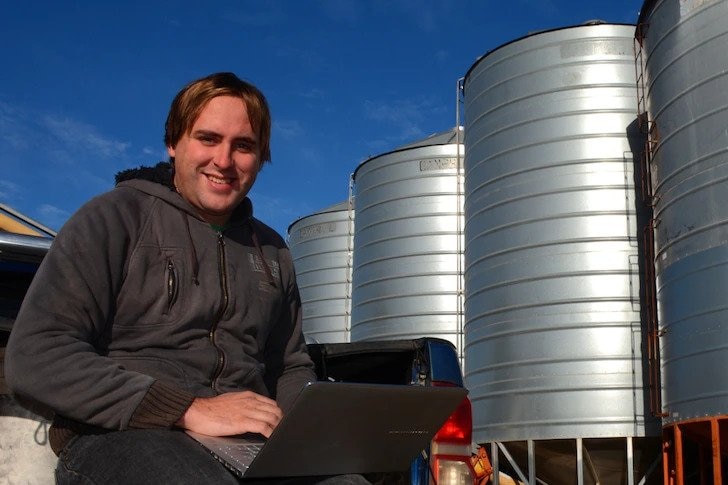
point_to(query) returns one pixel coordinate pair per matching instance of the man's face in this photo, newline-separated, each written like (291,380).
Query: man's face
(217,161)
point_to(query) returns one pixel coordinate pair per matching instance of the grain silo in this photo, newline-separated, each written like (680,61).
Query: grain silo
(408,242)
(321,248)
(553,321)
(683,84)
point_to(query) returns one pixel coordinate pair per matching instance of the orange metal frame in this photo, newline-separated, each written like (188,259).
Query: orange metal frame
(709,436)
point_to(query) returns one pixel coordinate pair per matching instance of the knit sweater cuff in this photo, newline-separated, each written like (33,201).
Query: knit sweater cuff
(162,406)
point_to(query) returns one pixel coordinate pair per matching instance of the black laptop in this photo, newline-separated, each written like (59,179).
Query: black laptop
(336,427)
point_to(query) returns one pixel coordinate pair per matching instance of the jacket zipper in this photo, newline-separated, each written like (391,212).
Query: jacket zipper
(213,328)
(171,285)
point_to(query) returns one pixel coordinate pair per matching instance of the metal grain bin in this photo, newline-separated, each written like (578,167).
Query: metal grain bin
(321,248)
(553,345)
(408,242)
(686,84)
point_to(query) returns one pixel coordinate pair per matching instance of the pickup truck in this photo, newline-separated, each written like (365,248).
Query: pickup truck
(25,456)
(426,362)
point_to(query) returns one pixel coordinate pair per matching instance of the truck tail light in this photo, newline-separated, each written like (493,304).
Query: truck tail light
(459,426)
(452,470)
(451,449)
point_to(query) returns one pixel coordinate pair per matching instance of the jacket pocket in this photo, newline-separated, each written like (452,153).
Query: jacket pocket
(172,285)
(153,292)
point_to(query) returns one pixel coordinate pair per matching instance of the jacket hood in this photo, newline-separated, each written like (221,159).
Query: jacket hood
(162,173)
(158,181)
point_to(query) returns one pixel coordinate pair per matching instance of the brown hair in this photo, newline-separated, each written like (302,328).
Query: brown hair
(192,99)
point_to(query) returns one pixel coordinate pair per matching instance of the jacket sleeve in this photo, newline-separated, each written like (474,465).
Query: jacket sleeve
(290,366)
(55,354)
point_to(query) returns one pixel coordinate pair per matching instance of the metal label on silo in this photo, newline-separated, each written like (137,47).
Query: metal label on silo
(449,163)
(315,230)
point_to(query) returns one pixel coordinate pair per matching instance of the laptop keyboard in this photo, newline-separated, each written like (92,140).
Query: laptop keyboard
(241,454)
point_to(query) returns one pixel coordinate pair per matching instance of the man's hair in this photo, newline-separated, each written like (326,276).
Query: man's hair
(192,99)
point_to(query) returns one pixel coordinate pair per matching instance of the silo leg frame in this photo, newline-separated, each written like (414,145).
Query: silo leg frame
(582,459)
(694,450)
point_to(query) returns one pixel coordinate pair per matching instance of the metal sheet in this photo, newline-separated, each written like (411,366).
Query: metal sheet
(686,66)
(553,324)
(321,248)
(407,275)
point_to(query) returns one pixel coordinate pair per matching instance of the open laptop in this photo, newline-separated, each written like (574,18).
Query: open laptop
(337,427)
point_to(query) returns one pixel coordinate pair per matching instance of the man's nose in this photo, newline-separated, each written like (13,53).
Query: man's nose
(224,156)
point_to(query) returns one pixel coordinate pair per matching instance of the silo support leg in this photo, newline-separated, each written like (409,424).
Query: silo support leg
(668,456)
(510,459)
(579,462)
(590,465)
(630,461)
(678,456)
(531,463)
(715,434)
(495,463)
(650,470)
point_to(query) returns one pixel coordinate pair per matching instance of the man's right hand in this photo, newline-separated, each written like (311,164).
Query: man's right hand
(232,413)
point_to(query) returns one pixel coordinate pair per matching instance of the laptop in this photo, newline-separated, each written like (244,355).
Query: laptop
(336,427)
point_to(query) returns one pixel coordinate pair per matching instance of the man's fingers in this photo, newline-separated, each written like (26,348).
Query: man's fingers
(232,413)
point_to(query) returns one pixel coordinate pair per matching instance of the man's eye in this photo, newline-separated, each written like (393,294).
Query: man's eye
(207,140)
(244,147)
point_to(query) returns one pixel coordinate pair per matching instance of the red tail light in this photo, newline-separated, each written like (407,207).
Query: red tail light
(451,448)
(459,426)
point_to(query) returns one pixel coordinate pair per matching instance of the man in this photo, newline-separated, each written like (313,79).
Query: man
(163,305)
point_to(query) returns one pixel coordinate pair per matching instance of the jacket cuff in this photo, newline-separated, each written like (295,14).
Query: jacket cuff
(161,407)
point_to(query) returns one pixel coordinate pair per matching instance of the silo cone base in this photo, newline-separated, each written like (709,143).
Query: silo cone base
(580,461)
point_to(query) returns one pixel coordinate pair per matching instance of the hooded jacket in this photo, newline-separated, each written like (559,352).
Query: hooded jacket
(140,306)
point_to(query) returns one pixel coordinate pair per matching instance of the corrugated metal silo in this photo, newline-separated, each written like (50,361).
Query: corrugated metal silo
(685,61)
(553,333)
(321,248)
(408,242)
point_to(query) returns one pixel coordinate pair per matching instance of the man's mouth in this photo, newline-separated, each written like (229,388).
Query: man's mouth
(218,180)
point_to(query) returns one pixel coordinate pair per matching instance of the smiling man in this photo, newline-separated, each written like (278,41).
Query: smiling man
(217,159)
(164,305)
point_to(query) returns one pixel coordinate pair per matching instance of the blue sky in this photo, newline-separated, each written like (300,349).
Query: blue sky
(86,85)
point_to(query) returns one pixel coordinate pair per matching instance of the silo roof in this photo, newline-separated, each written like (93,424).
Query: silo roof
(344,205)
(588,23)
(441,138)
(340,206)
(645,11)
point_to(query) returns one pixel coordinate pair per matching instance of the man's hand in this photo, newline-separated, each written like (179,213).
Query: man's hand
(232,413)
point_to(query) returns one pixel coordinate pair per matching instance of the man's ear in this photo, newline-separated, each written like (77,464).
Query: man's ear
(170,151)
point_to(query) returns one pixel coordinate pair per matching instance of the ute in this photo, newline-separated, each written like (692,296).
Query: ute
(425,362)
(26,455)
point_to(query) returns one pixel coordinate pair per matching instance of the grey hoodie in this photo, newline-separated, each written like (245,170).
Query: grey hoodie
(140,306)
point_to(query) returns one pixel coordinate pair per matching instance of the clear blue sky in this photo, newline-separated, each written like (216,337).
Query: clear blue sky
(86,85)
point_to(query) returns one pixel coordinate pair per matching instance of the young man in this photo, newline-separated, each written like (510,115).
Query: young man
(163,305)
